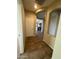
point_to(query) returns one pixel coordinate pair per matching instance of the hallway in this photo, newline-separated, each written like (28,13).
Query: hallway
(36,49)
(37,41)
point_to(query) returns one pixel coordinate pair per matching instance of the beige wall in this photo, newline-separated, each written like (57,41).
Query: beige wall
(30,23)
(48,38)
(57,47)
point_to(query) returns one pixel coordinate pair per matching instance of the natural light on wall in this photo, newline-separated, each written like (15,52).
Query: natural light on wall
(39,10)
(35,6)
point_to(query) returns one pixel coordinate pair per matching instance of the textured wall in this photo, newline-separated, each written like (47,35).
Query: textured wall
(30,23)
(57,47)
(48,38)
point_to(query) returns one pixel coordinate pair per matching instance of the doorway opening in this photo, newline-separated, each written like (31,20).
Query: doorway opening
(39,29)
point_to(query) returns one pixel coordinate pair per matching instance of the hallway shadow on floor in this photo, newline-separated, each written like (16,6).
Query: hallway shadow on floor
(36,49)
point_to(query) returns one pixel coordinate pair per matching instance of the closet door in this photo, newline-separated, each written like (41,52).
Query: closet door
(20,28)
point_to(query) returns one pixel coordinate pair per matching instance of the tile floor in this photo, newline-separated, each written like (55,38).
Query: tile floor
(35,48)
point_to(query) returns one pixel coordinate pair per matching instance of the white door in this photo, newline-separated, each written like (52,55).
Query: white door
(20,28)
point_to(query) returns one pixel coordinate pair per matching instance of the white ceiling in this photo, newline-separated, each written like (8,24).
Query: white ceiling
(29,4)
